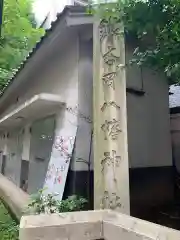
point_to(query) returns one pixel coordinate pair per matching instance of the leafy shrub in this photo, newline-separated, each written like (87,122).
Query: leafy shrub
(9,230)
(41,203)
(71,204)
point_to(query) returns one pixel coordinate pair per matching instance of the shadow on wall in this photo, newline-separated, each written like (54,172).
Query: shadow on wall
(80,183)
(151,189)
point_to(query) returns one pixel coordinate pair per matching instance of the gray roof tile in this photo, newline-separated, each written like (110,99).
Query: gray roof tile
(174,97)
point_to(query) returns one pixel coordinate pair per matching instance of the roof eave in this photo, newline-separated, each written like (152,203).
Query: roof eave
(68,18)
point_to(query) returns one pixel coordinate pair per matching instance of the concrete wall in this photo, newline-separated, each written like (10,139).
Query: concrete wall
(149,122)
(92,225)
(149,140)
(66,72)
(57,74)
(148,118)
(82,164)
(13,161)
(175,135)
(42,135)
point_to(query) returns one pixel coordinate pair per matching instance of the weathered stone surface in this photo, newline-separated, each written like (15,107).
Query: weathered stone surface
(76,226)
(111,165)
(92,225)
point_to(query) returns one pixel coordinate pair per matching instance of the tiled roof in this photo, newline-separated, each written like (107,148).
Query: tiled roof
(67,9)
(174,97)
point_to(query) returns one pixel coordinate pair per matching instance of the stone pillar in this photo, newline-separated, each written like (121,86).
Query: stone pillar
(111,168)
(4,152)
(26,142)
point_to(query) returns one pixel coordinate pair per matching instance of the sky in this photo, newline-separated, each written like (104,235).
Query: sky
(42,7)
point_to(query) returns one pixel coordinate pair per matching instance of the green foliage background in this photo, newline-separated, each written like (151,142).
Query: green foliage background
(154,25)
(9,229)
(18,36)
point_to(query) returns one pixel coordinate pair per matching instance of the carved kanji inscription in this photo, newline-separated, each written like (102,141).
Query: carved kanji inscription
(111,129)
(110,158)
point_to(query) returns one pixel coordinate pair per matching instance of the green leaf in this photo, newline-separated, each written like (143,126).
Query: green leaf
(18,36)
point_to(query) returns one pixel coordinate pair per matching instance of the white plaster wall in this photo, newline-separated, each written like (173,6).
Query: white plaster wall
(26,143)
(149,140)
(84,152)
(42,136)
(2,141)
(14,152)
(58,74)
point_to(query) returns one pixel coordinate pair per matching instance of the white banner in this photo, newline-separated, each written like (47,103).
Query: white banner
(61,154)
